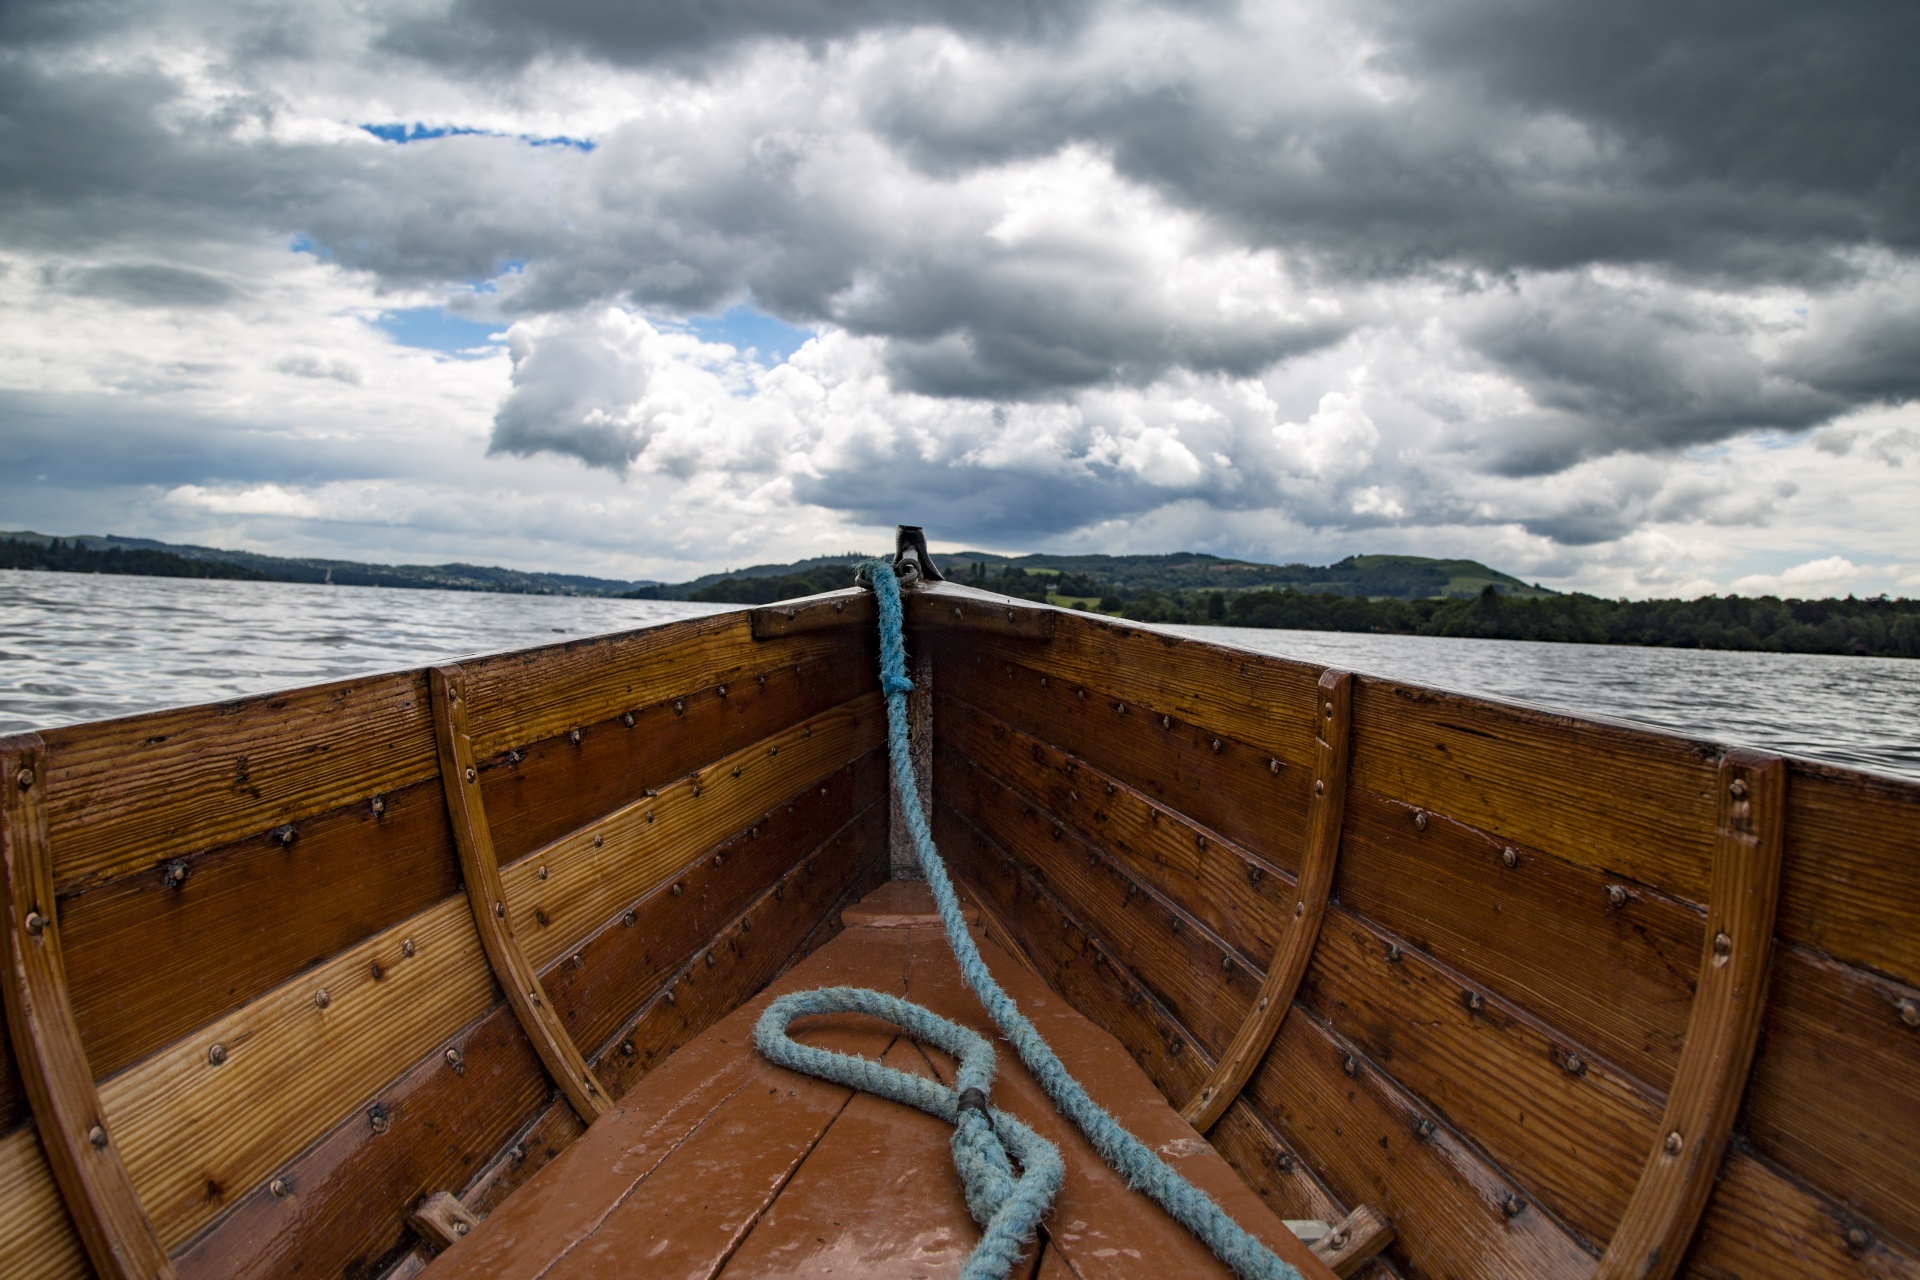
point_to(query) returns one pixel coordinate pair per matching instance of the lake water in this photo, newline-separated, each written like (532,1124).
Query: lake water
(87,646)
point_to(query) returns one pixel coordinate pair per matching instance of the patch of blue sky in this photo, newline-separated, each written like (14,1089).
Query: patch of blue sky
(307,244)
(437,329)
(747,328)
(417,132)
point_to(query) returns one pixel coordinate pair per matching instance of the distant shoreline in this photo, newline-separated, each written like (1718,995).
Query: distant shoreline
(1875,627)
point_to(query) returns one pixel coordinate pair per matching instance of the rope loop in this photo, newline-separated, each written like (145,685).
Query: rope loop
(983,1138)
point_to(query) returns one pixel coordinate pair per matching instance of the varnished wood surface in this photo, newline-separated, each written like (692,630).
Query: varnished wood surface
(709,1112)
(189,1125)
(1358,1132)
(1727,1009)
(349,1194)
(37,1237)
(81,1148)
(1289,964)
(480,871)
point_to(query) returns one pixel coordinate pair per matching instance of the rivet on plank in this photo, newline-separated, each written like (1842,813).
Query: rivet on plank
(1723,1025)
(486,896)
(1325,816)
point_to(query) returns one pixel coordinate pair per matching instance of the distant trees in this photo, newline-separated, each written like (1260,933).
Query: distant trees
(71,557)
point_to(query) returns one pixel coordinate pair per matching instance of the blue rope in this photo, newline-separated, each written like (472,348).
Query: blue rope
(1143,1169)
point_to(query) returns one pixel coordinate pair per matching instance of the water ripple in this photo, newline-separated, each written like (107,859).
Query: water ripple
(84,647)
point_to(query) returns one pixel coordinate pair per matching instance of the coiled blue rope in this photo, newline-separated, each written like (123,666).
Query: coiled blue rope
(982,1160)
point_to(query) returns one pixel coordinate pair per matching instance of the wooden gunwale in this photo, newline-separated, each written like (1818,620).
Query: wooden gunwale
(126,795)
(480,870)
(82,1151)
(1711,1080)
(1289,964)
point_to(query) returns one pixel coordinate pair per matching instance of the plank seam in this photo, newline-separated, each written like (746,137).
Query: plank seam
(1325,818)
(1723,1025)
(107,1214)
(480,869)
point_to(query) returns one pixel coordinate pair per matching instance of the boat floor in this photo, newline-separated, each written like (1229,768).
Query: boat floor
(719,1164)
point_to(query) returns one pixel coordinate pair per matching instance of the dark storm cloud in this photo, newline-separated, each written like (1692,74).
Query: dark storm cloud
(1724,138)
(495,33)
(1589,203)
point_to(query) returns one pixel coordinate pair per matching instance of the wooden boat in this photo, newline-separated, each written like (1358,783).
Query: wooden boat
(447,971)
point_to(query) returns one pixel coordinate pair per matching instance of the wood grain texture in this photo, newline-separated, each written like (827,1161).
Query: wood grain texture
(36,1236)
(1850,878)
(1763,1225)
(827,611)
(799,914)
(539,790)
(82,1150)
(487,1126)
(1325,814)
(1359,1132)
(127,795)
(1234,791)
(195,1135)
(598,984)
(1623,801)
(1570,1133)
(1205,985)
(1536,932)
(1834,1098)
(530,696)
(480,871)
(1264,702)
(560,894)
(951,607)
(1242,898)
(1727,1010)
(152,958)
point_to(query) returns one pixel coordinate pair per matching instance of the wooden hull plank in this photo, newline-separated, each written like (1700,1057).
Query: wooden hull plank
(587,884)
(1102,1230)
(81,1148)
(1760,1223)
(1242,898)
(1206,985)
(1725,1023)
(1570,1132)
(1536,932)
(1850,877)
(531,696)
(1234,791)
(538,791)
(480,870)
(37,1236)
(1835,1093)
(351,1192)
(1359,1131)
(599,983)
(1325,815)
(151,960)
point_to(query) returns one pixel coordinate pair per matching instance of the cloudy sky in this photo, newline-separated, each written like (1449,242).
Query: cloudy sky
(1623,297)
